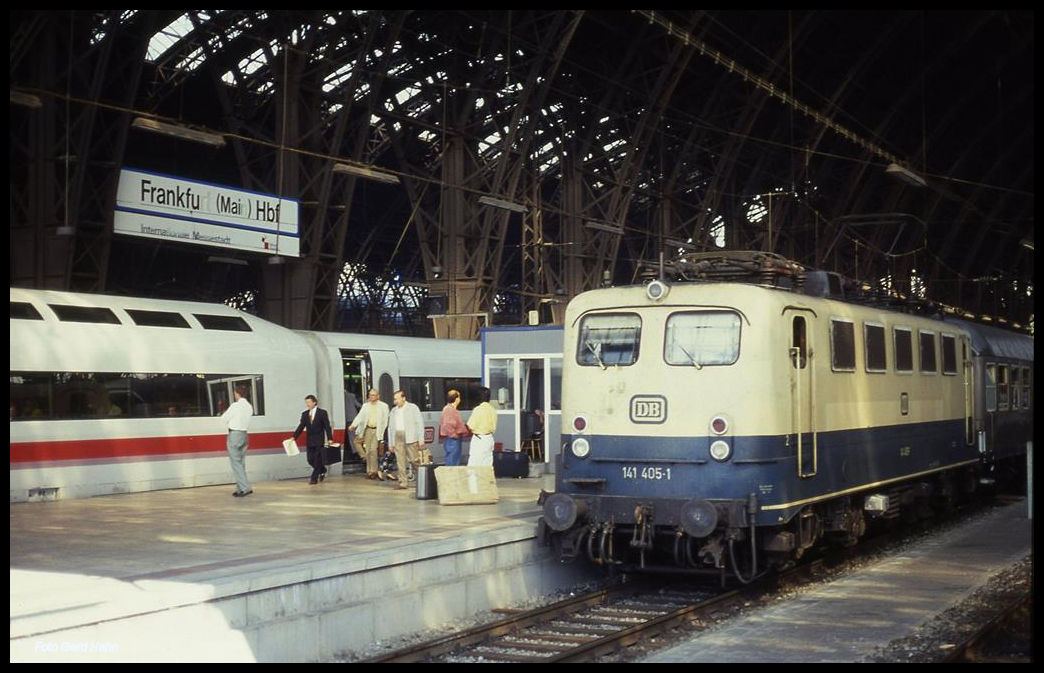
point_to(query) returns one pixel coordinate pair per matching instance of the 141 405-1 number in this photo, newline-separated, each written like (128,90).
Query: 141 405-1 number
(634,472)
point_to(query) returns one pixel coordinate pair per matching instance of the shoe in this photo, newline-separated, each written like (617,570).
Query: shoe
(322,476)
(240,494)
(400,487)
(380,476)
(312,482)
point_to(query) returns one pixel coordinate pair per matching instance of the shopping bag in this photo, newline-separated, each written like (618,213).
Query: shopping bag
(290,446)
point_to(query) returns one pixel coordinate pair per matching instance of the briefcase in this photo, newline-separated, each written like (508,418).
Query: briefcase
(331,454)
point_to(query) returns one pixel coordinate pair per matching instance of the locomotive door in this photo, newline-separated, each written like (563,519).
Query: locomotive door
(802,389)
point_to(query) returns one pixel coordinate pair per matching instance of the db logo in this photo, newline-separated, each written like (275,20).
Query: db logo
(648,409)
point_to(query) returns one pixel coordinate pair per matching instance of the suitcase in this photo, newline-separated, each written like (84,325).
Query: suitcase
(510,464)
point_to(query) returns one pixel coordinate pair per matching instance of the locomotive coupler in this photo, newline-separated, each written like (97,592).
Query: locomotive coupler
(642,537)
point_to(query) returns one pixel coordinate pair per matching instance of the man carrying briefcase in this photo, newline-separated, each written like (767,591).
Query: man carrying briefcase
(316,423)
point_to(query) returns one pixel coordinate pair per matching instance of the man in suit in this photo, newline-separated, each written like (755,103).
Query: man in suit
(316,423)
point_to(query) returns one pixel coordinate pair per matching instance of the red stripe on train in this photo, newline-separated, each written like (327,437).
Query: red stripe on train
(86,449)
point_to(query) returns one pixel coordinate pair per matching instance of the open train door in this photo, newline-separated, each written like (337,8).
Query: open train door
(802,388)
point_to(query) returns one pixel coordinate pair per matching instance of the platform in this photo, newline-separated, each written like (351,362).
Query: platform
(846,620)
(292,572)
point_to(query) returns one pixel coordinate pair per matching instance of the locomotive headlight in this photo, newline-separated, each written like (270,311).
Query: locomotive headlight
(720,450)
(656,290)
(719,425)
(581,448)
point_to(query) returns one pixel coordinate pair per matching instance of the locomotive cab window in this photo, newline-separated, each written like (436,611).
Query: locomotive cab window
(903,349)
(926,340)
(608,339)
(842,345)
(701,338)
(874,335)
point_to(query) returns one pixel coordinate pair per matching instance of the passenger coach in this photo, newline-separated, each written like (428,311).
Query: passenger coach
(115,394)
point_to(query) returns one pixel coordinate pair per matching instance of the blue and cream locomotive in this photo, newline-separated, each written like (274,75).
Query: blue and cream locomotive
(727,427)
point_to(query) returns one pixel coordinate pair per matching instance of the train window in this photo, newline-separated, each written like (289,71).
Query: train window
(468,389)
(157,318)
(96,314)
(608,339)
(926,341)
(842,345)
(991,387)
(874,335)
(949,354)
(84,395)
(1016,388)
(1026,388)
(903,349)
(1002,387)
(424,391)
(231,323)
(702,338)
(23,310)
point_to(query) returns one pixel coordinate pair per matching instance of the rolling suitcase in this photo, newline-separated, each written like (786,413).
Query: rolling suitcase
(510,464)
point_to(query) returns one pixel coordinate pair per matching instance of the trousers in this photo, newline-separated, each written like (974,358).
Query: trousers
(237,448)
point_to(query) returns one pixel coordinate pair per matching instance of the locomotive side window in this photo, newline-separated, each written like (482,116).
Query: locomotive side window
(608,339)
(875,347)
(903,349)
(842,345)
(949,354)
(1025,388)
(702,338)
(926,341)
(1016,388)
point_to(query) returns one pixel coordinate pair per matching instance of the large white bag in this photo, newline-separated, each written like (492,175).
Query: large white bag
(290,446)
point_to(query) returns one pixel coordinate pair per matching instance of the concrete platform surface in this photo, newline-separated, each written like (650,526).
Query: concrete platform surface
(104,560)
(845,620)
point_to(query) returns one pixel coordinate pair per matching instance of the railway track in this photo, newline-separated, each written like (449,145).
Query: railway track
(592,625)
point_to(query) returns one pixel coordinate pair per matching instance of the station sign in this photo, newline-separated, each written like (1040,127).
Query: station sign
(153,205)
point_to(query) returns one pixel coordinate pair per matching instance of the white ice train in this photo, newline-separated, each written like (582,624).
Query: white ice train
(117,394)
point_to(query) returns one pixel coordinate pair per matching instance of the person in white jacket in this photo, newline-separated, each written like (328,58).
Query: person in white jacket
(405,432)
(371,421)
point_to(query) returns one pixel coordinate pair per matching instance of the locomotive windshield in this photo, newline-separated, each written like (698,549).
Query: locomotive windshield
(702,338)
(609,339)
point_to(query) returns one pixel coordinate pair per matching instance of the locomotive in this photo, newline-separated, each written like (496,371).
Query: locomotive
(119,394)
(729,422)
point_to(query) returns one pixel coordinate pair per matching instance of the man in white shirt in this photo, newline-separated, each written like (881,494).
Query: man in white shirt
(372,421)
(237,418)
(406,432)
